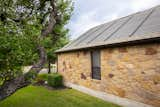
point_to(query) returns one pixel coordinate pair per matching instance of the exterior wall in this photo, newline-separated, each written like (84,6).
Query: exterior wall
(129,72)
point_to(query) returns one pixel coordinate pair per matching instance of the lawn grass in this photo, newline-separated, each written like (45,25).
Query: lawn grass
(37,96)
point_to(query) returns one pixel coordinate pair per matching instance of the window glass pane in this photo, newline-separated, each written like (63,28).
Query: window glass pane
(96,74)
(96,58)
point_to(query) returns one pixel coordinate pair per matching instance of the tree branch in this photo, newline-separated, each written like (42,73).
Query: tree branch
(9,87)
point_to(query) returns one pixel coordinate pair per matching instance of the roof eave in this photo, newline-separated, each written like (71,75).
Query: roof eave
(115,44)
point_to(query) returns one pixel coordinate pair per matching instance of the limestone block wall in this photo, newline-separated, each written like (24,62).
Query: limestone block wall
(130,72)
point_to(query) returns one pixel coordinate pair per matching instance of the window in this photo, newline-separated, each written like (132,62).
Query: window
(95,61)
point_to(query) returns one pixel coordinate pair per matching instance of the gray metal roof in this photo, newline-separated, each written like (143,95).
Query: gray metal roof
(138,26)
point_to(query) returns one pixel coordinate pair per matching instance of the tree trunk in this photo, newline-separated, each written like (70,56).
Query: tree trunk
(11,86)
(49,66)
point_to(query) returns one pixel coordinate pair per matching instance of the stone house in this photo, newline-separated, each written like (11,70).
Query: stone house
(118,61)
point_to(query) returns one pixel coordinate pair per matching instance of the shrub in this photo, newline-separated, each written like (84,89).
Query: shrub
(41,78)
(55,80)
(40,81)
(30,75)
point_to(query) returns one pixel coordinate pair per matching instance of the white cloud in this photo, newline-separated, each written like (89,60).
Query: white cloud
(89,13)
(143,4)
(85,22)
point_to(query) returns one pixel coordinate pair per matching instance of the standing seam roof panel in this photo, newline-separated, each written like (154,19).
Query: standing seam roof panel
(111,30)
(118,28)
(152,24)
(101,32)
(92,36)
(131,26)
(86,36)
(82,37)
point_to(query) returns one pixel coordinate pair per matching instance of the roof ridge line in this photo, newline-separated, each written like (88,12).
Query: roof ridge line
(134,13)
(131,14)
(138,27)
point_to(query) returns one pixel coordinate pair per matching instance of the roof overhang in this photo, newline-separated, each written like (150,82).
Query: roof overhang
(136,39)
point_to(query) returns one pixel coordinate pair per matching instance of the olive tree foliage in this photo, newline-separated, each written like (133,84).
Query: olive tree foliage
(30,31)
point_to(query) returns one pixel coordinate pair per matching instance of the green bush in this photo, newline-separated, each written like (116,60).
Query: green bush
(30,75)
(55,80)
(41,78)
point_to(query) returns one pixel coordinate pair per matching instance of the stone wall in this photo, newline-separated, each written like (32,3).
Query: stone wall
(130,72)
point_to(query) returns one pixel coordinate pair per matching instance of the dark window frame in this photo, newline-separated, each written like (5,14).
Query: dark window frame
(96,69)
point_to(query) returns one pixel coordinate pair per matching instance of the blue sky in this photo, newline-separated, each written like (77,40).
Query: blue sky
(89,13)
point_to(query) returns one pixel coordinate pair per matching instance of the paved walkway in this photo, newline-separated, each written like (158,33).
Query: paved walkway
(45,70)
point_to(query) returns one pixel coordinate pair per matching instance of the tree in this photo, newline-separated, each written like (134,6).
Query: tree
(25,26)
(51,46)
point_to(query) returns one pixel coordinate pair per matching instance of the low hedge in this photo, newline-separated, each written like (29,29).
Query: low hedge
(55,80)
(41,78)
